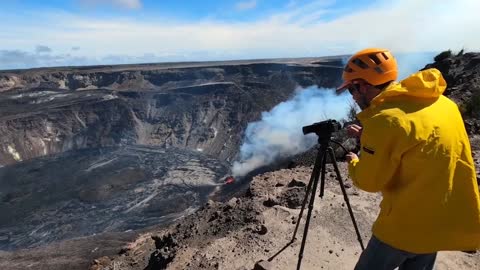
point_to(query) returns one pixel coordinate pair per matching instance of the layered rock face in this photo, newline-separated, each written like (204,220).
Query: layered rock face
(199,106)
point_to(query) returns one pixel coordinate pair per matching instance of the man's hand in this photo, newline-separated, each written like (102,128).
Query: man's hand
(354,130)
(351,156)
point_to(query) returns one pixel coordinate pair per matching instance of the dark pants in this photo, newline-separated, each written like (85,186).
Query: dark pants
(380,256)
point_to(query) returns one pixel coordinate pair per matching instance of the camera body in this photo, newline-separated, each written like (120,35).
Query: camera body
(323,129)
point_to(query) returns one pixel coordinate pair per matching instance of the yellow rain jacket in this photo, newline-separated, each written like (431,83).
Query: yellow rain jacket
(416,152)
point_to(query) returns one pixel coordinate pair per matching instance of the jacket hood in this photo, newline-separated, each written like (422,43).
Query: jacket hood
(427,83)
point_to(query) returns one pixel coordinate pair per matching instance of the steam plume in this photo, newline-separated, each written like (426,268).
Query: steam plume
(409,63)
(279,133)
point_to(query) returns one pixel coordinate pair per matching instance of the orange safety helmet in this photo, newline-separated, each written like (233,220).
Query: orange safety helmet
(373,65)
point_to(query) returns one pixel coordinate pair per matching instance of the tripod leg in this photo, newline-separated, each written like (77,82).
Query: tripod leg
(313,179)
(311,188)
(323,153)
(324,166)
(345,196)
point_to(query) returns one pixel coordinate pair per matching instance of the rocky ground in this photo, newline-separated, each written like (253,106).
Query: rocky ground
(248,229)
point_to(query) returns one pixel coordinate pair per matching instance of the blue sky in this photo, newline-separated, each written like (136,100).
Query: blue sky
(85,32)
(186,10)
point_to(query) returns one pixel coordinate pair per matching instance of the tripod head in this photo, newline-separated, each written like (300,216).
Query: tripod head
(324,129)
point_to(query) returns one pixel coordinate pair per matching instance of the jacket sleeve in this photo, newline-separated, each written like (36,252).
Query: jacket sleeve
(384,140)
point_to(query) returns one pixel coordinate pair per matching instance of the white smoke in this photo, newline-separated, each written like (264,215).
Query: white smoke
(409,63)
(279,132)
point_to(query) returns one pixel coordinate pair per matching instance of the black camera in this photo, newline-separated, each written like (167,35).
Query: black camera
(322,129)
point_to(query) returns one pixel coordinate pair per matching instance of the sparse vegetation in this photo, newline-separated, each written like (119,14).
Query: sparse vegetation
(351,114)
(443,55)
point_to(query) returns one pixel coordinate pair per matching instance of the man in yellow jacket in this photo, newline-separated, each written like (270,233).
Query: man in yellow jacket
(416,152)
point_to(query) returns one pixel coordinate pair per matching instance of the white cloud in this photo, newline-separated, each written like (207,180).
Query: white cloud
(17,59)
(246,5)
(42,49)
(129,4)
(14,59)
(303,30)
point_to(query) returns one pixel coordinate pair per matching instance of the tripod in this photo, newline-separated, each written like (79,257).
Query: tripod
(319,168)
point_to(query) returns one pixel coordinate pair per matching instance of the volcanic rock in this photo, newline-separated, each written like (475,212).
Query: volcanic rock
(200,106)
